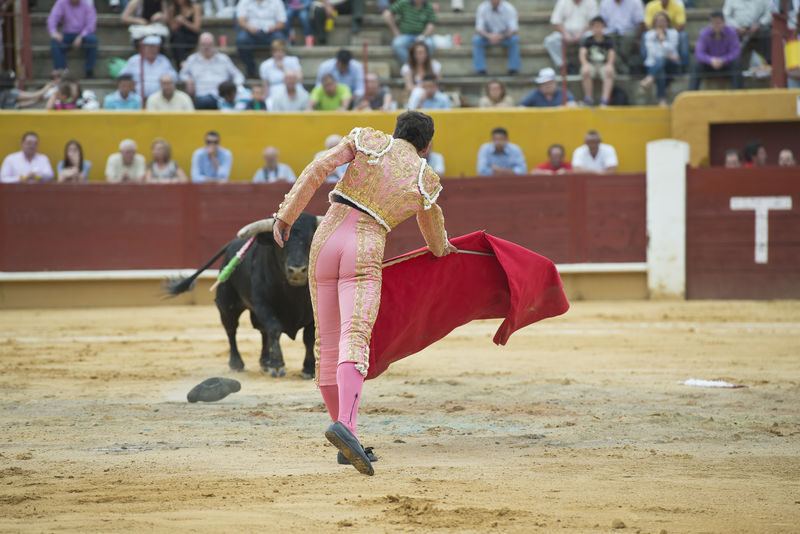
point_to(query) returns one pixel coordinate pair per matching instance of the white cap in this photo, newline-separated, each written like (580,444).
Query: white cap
(546,74)
(152,40)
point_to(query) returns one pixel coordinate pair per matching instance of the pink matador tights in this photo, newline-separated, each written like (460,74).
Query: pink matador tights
(345,282)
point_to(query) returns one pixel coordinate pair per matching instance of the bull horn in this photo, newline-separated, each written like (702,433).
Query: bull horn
(256,227)
(319,219)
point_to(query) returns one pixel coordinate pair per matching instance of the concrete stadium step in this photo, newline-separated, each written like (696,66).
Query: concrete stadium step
(523,6)
(536,27)
(455,61)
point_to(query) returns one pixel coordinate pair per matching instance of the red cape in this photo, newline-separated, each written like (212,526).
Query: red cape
(424,298)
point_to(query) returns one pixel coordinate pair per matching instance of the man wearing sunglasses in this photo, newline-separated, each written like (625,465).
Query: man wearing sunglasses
(211,163)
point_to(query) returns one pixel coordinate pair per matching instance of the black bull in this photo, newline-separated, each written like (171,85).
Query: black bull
(271,282)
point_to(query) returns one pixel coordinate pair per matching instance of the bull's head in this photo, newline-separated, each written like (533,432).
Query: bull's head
(293,257)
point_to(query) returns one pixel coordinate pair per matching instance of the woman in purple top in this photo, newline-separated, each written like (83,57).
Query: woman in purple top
(717,53)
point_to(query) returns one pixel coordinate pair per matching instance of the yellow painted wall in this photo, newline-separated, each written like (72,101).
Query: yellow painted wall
(459,133)
(693,113)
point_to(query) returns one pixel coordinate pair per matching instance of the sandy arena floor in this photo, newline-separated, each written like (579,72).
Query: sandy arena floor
(579,425)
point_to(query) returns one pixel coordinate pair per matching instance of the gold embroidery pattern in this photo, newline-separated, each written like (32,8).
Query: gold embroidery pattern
(333,219)
(371,239)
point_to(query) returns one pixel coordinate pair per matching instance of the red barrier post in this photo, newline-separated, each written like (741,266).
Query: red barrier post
(780,30)
(364,56)
(141,70)
(563,71)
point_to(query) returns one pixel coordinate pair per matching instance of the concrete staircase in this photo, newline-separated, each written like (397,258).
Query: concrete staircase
(456,61)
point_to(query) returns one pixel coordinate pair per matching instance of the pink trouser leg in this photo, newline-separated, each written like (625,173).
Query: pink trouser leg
(350,382)
(330,394)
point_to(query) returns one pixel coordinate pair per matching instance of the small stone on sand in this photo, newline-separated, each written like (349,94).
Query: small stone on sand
(617,523)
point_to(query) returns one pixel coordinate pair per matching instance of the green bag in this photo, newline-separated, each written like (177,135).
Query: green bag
(115,66)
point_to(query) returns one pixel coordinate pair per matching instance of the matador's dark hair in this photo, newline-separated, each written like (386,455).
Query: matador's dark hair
(415,127)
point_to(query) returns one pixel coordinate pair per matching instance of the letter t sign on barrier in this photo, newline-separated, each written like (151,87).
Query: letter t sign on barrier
(761,205)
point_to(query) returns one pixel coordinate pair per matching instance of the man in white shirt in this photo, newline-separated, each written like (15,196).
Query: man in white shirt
(273,170)
(752,20)
(153,64)
(624,25)
(260,22)
(169,98)
(26,165)
(594,156)
(204,70)
(290,96)
(570,19)
(496,24)
(126,165)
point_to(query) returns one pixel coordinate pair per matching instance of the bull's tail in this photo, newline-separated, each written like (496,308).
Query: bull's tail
(176,286)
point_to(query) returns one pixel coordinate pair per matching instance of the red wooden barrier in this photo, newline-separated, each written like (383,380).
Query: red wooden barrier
(571,219)
(724,256)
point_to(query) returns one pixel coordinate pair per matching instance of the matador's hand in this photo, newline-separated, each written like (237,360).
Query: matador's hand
(448,249)
(280,231)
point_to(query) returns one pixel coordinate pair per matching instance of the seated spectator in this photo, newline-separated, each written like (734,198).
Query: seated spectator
(752,20)
(625,21)
(733,160)
(73,168)
(324,12)
(78,20)
(755,155)
(211,163)
(124,98)
(184,20)
(292,96)
(570,19)
(13,98)
(27,165)
(258,100)
(169,98)
(430,97)
(126,165)
(275,68)
(555,163)
(330,96)
(260,22)
(496,24)
(500,156)
(66,96)
(435,160)
(204,70)
(231,98)
(155,65)
(717,53)
(414,22)
(163,169)
(594,156)
(376,97)
(144,12)
(299,9)
(273,170)
(345,70)
(661,57)
(330,142)
(495,96)
(548,95)
(419,65)
(677,15)
(786,158)
(597,61)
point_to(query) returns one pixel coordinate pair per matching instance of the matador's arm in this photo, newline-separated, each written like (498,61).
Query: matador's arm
(312,177)
(430,219)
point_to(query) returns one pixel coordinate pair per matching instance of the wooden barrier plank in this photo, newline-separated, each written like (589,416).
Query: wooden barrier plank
(103,226)
(721,242)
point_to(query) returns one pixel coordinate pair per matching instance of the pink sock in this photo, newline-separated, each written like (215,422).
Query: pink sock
(350,384)
(330,394)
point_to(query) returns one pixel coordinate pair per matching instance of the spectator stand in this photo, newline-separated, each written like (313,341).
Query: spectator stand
(534,22)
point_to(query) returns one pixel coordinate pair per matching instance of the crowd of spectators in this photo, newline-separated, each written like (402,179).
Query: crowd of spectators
(602,38)
(755,155)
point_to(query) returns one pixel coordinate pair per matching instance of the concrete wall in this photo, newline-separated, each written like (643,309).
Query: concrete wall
(459,133)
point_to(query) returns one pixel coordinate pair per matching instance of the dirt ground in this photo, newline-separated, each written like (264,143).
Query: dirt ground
(580,424)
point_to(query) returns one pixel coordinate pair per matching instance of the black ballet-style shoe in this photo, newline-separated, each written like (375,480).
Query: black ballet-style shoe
(342,459)
(213,389)
(351,449)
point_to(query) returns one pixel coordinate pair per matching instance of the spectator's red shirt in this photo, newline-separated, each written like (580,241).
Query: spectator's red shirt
(566,165)
(748,164)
